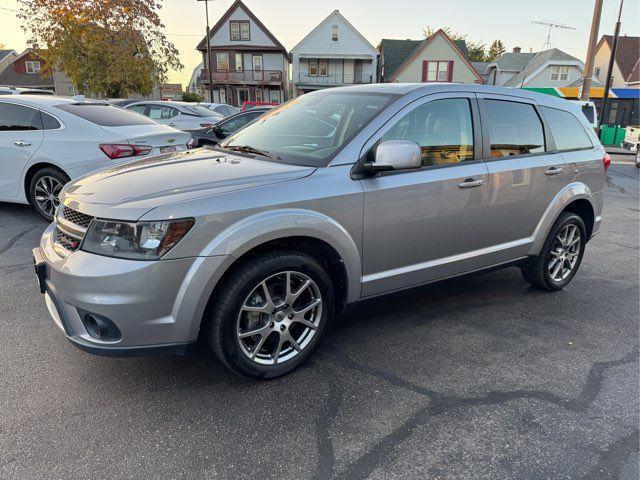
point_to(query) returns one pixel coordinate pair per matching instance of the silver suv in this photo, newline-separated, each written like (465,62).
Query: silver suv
(334,197)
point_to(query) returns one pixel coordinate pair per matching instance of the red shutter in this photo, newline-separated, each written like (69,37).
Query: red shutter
(425,65)
(450,71)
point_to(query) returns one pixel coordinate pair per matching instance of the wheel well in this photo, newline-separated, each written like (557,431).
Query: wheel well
(316,248)
(584,210)
(32,171)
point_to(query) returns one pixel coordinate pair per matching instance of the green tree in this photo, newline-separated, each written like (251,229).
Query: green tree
(477,52)
(192,97)
(495,50)
(110,47)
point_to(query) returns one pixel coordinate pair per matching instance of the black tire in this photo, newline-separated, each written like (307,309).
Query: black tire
(537,272)
(52,173)
(230,297)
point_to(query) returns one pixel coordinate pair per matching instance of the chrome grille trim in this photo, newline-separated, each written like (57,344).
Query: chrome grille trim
(75,217)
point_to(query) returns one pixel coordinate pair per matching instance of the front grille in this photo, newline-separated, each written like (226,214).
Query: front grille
(76,217)
(67,241)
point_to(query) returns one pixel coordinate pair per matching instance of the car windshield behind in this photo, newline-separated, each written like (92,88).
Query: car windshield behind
(198,110)
(313,128)
(105,115)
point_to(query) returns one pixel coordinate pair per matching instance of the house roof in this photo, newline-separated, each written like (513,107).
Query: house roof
(202,46)
(481,67)
(537,61)
(397,52)
(4,53)
(459,46)
(513,62)
(9,76)
(634,76)
(627,52)
(336,13)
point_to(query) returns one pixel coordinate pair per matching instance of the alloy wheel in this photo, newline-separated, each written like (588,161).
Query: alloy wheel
(279,318)
(47,189)
(564,253)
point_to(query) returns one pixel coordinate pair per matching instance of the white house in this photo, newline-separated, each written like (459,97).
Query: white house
(248,62)
(333,53)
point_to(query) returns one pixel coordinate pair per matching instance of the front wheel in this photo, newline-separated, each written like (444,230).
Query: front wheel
(561,254)
(270,314)
(44,189)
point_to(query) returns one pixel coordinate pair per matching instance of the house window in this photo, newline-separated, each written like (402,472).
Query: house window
(597,72)
(32,66)
(437,71)
(239,30)
(222,61)
(334,33)
(323,67)
(313,67)
(238,62)
(559,72)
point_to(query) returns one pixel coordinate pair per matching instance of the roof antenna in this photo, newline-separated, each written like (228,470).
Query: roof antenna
(550,25)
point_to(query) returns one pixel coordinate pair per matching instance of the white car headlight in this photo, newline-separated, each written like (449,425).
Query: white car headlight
(135,240)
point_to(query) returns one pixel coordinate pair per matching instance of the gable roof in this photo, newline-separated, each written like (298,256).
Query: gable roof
(202,46)
(512,62)
(456,46)
(627,52)
(336,13)
(5,53)
(538,61)
(634,76)
(395,53)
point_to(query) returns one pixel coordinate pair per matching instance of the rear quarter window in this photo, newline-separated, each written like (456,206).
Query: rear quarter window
(567,131)
(105,115)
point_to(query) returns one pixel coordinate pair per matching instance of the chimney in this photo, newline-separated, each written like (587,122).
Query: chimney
(517,49)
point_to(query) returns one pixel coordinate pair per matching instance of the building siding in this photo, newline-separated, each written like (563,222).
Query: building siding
(543,79)
(438,49)
(601,60)
(258,38)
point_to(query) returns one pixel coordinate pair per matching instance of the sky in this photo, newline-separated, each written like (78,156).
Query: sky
(291,20)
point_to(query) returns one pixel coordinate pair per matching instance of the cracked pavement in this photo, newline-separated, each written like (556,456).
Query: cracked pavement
(478,377)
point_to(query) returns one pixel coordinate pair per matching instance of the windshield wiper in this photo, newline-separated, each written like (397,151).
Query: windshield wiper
(250,149)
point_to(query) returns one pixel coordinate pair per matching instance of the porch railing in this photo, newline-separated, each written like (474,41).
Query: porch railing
(243,76)
(334,79)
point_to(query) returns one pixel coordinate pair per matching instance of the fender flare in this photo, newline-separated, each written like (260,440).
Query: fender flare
(570,193)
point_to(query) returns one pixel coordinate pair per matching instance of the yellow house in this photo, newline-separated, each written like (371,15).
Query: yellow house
(435,59)
(625,69)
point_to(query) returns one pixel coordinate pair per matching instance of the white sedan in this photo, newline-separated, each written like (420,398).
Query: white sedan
(46,140)
(180,115)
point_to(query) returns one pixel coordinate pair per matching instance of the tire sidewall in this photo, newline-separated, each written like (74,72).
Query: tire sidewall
(230,342)
(45,172)
(563,221)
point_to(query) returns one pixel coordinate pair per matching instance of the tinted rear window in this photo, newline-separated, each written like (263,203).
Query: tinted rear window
(514,128)
(567,131)
(105,115)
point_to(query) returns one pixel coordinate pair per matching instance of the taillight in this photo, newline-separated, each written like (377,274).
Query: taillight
(606,161)
(122,150)
(191,143)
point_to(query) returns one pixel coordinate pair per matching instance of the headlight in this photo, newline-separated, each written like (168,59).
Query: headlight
(135,240)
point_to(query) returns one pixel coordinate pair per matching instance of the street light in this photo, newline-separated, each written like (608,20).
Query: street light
(207,63)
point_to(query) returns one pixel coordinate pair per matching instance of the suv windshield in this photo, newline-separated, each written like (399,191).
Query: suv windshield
(311,129)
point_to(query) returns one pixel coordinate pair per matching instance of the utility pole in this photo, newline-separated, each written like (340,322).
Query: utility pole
(207,63)
(607,82)
(591,51)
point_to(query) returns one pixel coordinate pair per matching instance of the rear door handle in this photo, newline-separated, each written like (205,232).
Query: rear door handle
(21,143)
(471,183)
(553,171)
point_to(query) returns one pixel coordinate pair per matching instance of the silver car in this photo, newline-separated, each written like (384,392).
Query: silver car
(337,196)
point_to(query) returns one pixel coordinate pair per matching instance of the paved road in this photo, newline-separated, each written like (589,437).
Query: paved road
(479,378)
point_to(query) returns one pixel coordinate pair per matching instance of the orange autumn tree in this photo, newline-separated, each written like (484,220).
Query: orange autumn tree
(110,47)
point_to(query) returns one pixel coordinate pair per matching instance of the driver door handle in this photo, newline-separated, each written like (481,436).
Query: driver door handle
(553,171)
(21,143)
(471,183)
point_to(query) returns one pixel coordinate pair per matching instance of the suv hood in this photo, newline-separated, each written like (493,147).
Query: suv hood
(126,192)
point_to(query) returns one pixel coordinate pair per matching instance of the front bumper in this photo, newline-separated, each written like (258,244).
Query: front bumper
(156,305)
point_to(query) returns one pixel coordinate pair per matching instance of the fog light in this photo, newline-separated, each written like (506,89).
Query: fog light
(100,328)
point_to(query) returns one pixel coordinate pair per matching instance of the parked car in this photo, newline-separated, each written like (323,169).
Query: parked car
(180,115)
(248,105)
(221,130)
(343,195)
(8,90)
(220,108)
(47,140)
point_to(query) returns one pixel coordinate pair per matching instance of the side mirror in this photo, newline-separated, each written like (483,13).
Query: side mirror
(395,155)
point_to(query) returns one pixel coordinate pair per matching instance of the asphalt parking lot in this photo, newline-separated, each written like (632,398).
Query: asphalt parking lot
(479,378)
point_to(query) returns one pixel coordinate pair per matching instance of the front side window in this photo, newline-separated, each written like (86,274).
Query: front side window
(162,112)
(222,60)
(313,128)
(443,130)
(437,71)
(18,118)
(32,66)
(235,124)
(514,128)
(567,131)
(239,30)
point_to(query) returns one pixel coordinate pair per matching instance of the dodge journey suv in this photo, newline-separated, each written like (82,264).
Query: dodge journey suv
(336,196)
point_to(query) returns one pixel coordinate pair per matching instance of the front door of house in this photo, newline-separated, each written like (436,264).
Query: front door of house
(257,67)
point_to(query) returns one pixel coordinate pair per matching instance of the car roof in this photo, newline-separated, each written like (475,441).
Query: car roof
(39,100)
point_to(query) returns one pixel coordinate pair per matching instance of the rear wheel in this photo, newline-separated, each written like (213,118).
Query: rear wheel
(271,313)
(44,188)
(560,256)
